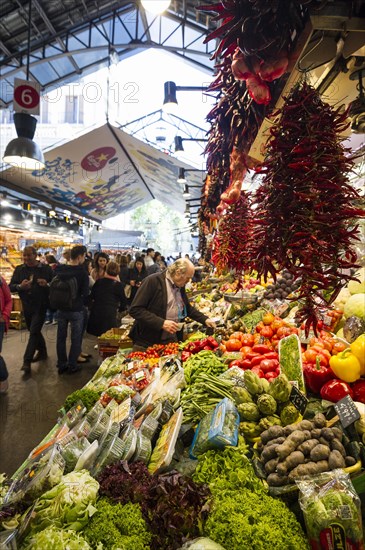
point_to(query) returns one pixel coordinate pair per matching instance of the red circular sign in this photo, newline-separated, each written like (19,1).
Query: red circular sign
(26,96)
(97,159)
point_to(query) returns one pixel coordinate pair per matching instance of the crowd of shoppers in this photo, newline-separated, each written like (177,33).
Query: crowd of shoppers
(81,293)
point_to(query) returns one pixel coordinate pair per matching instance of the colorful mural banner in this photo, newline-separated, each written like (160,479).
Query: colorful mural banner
(103,173)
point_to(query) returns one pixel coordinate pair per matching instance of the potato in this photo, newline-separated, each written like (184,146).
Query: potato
(336,460)
(320,452)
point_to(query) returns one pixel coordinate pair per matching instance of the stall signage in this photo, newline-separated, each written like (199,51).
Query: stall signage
(298,399)
(26,96)
(347,411)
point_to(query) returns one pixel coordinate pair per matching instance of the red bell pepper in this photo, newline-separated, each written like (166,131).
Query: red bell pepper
(316,375)
(358,388)
(185,355)
(336,389)
(212,342)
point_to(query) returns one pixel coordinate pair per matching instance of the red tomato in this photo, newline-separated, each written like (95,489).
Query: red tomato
(276,324)
(244,350)
(260,326)
(233,344)
(256,369)
(247,339)
(267,332)
(338,347)
(237,335)
(271,375)
(282,332)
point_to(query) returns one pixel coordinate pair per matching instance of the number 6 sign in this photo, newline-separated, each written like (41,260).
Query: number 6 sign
(26,96)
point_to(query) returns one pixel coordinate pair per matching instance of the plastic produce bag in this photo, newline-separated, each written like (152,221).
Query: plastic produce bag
(332,512)
(201,544)
(217,430)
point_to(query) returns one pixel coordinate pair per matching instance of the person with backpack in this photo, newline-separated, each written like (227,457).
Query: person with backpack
(68,292)
(31,281)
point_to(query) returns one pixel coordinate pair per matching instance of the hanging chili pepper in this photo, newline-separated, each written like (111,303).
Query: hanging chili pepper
(304,210)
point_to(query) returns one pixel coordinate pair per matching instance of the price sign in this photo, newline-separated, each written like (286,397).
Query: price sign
(26,96)
(347,411)
(298,399)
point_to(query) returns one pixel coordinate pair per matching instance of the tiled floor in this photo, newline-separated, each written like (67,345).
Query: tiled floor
(29,410)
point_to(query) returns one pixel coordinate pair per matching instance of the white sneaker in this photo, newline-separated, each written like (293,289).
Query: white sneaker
(4,386)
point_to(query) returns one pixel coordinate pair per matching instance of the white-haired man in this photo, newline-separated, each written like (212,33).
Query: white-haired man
(161,305)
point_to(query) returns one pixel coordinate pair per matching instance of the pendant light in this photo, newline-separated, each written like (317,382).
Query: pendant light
(22,151)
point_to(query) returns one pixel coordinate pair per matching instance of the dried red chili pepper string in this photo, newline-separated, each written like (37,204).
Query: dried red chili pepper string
(232,237)
(304,218)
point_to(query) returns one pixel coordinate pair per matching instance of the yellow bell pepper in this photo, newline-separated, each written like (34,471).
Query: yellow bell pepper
(346,366)
(358,349)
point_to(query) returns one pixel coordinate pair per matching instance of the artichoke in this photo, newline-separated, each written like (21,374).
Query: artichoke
(250,429)
(252,382)
(241,395)
(280,388)
(268,421)
(266,404)
(248,411)
(289,414)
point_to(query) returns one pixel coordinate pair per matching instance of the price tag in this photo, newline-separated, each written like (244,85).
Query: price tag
(347,411)
(298,399)
(26,96)
(305,339)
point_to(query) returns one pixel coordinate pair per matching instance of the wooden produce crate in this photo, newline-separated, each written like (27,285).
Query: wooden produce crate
(115,338)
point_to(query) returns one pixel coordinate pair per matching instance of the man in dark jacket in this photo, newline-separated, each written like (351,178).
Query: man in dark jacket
(73,315)
(31,280)
(161,305)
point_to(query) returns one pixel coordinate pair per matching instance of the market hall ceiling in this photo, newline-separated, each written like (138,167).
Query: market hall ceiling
(73,37)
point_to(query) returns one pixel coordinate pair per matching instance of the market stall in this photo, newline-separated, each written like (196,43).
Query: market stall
(249,438)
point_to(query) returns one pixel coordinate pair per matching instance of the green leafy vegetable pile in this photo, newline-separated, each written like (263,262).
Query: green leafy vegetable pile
(243,519)
(229,468)
(88,397)
(68,505)
(117,526)
(172,505)
(53,538)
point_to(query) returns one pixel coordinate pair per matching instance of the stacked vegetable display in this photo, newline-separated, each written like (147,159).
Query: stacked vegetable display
(141,490)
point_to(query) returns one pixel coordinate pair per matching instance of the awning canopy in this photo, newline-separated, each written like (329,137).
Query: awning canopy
(103,173)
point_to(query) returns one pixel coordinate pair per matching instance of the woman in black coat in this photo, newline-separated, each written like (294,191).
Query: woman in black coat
(136,276)
(106,294)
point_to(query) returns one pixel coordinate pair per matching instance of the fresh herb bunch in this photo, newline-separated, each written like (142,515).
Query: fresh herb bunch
(88,397)
(117,526)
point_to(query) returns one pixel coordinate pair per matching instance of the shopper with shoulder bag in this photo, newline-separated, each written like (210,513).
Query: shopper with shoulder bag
(5,310)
